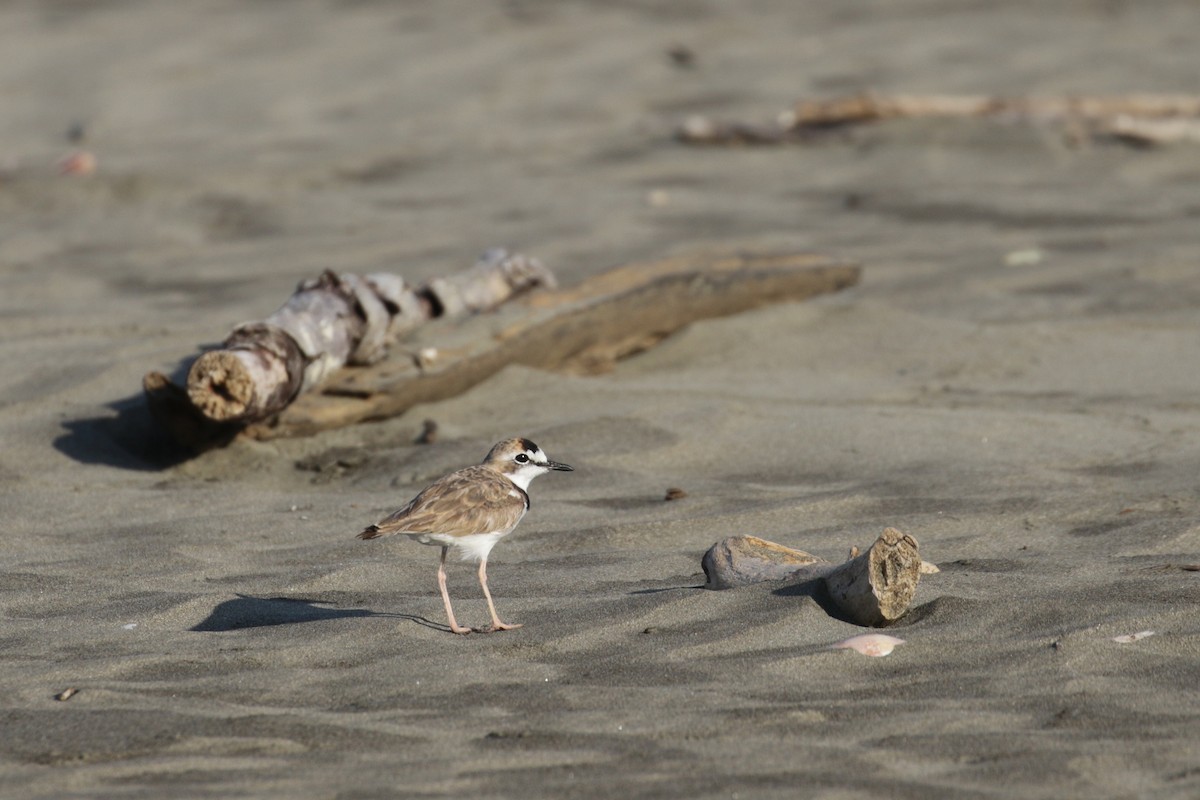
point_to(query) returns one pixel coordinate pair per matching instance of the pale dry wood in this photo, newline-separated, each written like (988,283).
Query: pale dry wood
(1140,118)
(328,323)
(335,321)
(1154,131)
(873,588)
(877,587)
(870,106)
(582,330)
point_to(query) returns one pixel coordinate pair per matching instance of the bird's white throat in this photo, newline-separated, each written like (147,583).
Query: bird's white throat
(524,474)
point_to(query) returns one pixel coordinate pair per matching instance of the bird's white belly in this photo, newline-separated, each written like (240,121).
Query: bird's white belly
(469,548)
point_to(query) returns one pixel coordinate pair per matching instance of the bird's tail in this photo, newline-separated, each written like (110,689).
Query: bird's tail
(373,532)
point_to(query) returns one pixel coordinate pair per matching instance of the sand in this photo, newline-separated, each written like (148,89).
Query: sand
(1032,419)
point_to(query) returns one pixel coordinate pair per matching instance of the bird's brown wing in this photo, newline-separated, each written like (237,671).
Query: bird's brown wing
(472,500)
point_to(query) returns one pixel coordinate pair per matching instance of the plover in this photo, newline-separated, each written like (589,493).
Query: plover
(470,510)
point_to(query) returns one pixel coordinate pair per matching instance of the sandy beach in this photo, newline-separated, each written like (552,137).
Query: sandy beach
(1015,383)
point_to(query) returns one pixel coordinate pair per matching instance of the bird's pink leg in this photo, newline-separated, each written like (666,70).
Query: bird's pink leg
(454,626)
(497,624)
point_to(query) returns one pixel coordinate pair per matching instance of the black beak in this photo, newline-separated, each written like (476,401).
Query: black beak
(558,466)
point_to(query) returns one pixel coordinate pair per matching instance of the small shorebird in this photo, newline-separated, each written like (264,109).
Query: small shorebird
(470,510)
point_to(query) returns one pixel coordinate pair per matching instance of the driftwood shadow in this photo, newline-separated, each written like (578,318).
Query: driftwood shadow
(129,440)
(815,588)
(263,612)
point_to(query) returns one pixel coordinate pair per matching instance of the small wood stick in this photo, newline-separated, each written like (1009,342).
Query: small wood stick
(1139,118)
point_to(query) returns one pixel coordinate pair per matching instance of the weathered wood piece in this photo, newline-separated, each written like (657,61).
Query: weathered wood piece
(582,330)
(877,587)
(869,107)
(872,588)
(1140,118)
(335,321)
(742,560)
(330,322)
(1149,132)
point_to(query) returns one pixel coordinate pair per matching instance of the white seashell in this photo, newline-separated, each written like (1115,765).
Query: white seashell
(1132,637)
(658,198)
(869,644)
(1024,258)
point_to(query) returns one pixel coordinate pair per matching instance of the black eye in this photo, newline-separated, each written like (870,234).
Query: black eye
(521,458)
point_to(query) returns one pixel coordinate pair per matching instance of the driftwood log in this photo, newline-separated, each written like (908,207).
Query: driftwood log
(582,330)
(1138,118)
(335,321)
(330,322)
(872,588)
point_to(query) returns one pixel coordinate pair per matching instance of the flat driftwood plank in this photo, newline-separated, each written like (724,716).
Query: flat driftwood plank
(583,330)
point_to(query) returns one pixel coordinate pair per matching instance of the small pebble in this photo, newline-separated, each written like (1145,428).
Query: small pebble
(675,493)
(76,133)
(66,694)
(682,56)
(429,432)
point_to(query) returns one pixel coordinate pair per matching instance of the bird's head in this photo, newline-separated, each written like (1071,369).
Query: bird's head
(521,461)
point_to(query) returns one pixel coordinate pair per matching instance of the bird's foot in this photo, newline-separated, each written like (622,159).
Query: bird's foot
(459,629)
(500,626)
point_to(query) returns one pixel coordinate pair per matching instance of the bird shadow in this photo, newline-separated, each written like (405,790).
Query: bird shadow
(263,612)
